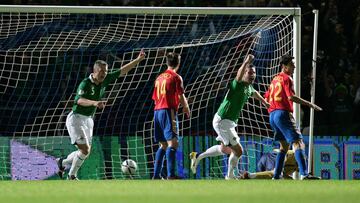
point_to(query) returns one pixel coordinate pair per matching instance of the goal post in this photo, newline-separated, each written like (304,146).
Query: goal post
(45,52)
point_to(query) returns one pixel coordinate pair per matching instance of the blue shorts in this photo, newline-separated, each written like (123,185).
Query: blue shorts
(283,124)
(166,125)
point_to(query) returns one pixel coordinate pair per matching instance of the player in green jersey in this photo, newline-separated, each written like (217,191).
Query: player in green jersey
(226,118)
(79,122)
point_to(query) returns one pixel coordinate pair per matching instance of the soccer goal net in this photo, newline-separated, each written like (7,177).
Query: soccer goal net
(45,52)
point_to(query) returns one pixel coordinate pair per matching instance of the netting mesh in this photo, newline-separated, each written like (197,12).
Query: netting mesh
(44,57)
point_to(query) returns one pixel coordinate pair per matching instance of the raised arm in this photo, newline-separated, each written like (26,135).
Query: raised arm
(127,67)
(258,96)
(249,58)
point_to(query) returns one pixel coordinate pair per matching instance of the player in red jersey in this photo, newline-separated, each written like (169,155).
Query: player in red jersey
(168,94)
(281,96)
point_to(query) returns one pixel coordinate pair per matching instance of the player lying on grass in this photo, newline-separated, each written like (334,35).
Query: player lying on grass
(226,118)
(290,167)
(79,122)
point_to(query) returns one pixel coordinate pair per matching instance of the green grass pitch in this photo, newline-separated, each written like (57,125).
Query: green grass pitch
(184,191)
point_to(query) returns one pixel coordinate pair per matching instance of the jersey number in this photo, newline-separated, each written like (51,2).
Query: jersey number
(161,89)
(92,90)
(276,97)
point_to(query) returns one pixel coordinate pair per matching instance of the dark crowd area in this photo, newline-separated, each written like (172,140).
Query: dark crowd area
(338,74)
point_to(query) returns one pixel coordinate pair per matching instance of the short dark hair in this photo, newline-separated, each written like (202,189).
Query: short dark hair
(172,59)
(286,59)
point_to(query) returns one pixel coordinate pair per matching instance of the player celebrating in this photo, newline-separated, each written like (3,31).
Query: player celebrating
(168,93)
(281,96)
(79,122)
(226,118)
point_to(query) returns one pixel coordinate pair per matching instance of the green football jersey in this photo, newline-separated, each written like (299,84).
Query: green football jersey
(89,90)
(234,101)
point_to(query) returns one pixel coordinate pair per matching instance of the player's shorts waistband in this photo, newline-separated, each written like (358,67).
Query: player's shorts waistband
(219,118)
(166,109)
(281,110)
(80,115)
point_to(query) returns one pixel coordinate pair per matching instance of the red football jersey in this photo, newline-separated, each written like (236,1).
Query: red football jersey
(281,88)
(168,88)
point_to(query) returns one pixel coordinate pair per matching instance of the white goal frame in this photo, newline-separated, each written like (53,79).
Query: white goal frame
(294,12)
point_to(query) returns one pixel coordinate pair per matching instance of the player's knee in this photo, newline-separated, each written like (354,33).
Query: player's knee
(284,147)
(225,150)
(163,145)
(238,151)
(85,151)
(298,144)
(173,143)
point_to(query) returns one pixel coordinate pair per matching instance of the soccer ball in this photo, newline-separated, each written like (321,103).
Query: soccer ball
(129,167)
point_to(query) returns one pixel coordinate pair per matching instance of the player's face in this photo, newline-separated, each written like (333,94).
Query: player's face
(100,72)
(250,75)
(289,69)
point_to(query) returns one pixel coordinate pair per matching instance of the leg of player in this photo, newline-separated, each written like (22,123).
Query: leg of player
(216,150)
(258,175)
(82,154)
(299,151)
(62,163)
(233,160)
(171,157)
(69,159)
(159,158)
(299,148)
(280,159)
(80,130)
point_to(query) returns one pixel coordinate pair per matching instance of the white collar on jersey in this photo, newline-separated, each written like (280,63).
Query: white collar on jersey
(91,78)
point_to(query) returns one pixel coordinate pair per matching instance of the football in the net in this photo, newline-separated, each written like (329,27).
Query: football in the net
(129,167)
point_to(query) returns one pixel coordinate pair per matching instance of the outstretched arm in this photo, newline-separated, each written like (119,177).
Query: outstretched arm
(301,101)
(258,96)
(127,67)
(249,58)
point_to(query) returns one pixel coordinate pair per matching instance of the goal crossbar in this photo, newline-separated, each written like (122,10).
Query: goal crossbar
(149,10)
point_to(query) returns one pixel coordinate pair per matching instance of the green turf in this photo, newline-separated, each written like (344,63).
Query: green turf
(218,191)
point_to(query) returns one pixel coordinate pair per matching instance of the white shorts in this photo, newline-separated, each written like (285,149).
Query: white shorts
(225,130)
(80,128)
